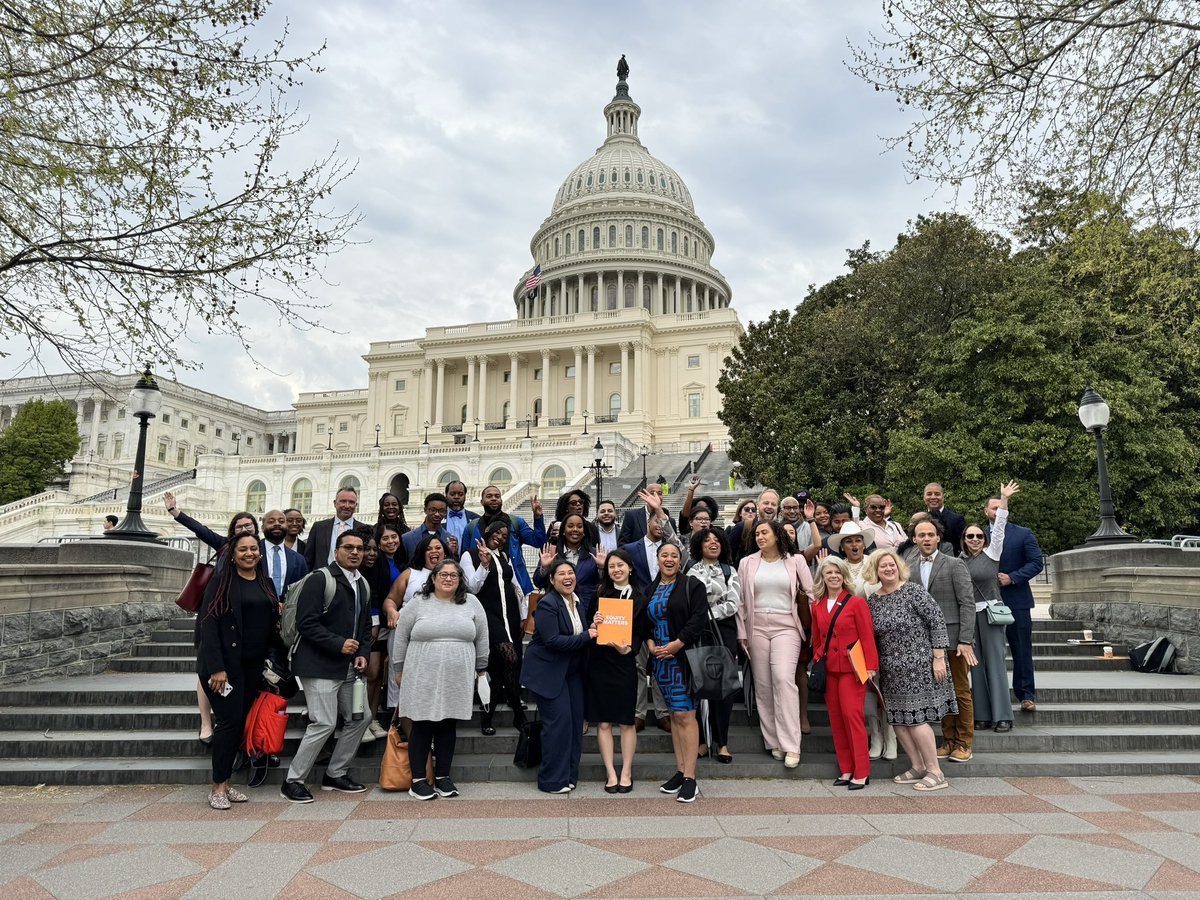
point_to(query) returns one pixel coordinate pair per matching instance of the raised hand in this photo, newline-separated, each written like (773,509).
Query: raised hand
(810,509)
(536,505)
(547,555)
(654,501)
(887,507)
(485,555)
(1007,490)
(851,499)
(599,556)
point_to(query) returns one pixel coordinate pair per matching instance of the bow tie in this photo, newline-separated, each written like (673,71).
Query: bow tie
(461,514)
(927,559)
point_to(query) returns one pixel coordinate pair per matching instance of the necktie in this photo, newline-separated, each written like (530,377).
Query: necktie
(278,554)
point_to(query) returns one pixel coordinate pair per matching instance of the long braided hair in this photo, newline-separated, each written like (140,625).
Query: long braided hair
(219,604)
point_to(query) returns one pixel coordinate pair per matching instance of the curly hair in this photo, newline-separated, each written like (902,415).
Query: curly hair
(460,590)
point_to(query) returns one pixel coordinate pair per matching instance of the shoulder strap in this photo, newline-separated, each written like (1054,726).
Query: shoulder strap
(330,588)
(832,622)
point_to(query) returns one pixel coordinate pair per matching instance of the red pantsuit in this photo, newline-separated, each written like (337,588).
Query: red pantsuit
(844,693)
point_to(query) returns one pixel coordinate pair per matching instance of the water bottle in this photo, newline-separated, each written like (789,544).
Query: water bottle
(358,703)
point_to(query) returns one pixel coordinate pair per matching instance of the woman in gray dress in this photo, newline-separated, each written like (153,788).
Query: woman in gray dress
(442,643)
(989,679)
(910,634)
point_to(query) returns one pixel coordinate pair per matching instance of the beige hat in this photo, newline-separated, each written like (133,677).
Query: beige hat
(848,529)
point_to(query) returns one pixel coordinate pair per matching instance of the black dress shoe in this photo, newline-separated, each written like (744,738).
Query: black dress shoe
(855,786)
(487,730)
(982,725)
(272,761)
(724,758)
(343,783)
(295,791)
(624,788)
(1003,727)
(841,782)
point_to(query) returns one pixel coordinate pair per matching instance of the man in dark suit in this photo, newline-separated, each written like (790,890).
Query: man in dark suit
(333,648)
(1021,561)
(953,524)
(435,514)
(949,583)
(633,524)
(644,552)
(318,551)
(458,517)
(284,566)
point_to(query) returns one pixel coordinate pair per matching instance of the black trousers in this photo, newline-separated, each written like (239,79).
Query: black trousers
(506,684)
(229,714)
(438,736)
(721,711)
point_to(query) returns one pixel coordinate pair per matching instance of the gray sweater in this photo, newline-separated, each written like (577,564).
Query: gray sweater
(439,647)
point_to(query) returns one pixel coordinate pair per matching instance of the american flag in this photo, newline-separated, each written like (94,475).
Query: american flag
(532,282)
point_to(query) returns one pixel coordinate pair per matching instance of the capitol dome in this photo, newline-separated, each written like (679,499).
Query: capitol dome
(622,232)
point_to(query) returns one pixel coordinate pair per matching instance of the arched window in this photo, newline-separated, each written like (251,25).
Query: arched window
(614,176)
(612,235)
(627,176)
(556,247)
(602,178)
(501,478)
(463,415)
(646,296)
(506,410)
(674,241)
(537,410)
(628,235)
(350,481)
(630,300)
(302,495)
(554,479)
(660,239)
(568,242)
(256,498)
(652,182)
(641,178)
(685,246)
(614,404)
(610,296)
(645,238)
(582,244)
(596,238)
(589,179)
(569,407)
(448,476)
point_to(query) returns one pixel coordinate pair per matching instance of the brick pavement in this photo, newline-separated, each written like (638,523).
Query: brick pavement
(1094,837)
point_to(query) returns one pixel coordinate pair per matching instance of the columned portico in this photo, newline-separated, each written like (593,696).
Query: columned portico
(440,404)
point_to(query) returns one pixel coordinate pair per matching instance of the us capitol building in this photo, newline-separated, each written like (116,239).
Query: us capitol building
(624,339)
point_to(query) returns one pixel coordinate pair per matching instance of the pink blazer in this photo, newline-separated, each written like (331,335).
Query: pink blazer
(801,579)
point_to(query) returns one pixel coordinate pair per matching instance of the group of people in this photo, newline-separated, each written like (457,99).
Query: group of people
(434,617)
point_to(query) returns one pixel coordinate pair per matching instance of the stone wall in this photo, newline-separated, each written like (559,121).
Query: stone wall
(69,609)
(1132,593)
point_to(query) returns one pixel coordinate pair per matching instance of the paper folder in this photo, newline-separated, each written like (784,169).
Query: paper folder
(617,628)
(858,660)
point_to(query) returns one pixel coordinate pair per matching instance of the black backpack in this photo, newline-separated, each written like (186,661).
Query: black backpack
(1157,655)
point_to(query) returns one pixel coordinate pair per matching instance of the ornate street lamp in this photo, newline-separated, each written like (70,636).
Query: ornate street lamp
(425,442)
(1093,413)
(599,468)
(645,453)
(476,441)
(528,422)
(145,400)
(237,444)
(378,428)
(585,418)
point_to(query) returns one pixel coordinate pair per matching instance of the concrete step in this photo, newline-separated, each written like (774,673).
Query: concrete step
(1059,663)
(1054,648)
(649,769)
(183,650)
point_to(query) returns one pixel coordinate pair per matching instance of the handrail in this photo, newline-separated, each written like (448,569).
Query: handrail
(161,485)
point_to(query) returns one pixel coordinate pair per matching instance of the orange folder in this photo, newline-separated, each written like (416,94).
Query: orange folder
(617,628)
(858,659)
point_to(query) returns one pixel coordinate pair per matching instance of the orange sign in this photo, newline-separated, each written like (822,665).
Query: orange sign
(617,627)
(859,660)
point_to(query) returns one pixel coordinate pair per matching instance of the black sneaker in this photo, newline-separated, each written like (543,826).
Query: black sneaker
(422,790)
(673,785)
(295,791)
(343,783)
(445,787)
(687,792)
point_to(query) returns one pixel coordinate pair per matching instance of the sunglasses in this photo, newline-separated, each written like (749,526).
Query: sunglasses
(876,506)
(973,537)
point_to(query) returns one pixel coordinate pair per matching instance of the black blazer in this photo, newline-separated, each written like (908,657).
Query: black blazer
(316,548)
(322,634)
(633,526)
(220,637)
(953,526)
(687,612)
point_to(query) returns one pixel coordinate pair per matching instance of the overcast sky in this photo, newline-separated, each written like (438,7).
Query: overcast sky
(465,117)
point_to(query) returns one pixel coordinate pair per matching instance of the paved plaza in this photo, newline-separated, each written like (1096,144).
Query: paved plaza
(1099,837)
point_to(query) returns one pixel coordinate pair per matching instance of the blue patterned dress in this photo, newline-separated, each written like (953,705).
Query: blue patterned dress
(667,671)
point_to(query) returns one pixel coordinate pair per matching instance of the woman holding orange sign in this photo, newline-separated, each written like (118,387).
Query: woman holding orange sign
(611,687)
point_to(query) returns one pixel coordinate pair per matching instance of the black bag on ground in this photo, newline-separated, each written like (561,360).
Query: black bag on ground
(529,746)
(748,697)
(1157,656)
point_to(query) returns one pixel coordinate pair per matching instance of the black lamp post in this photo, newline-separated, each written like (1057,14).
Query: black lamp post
(528,422)
(426,441)
(329,443)
(237,444)
(378,428)
(1093,413)
(645,453)
(476,441)
(585,431)
(599,468)
(145,400)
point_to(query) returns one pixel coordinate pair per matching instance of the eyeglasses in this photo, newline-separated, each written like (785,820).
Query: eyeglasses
(350,549)
(447,574)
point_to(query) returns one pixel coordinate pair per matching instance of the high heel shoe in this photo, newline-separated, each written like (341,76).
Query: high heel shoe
(855,786)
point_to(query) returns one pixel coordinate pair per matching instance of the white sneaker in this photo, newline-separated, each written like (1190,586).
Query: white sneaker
(367,737)
(378,730)
(778,754)
(791,760)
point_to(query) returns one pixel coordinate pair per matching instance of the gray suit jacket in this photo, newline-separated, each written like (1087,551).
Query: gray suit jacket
(950,585)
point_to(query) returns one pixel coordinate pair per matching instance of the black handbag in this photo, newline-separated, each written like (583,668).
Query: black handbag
(712,669)
(529,746)
(816,678)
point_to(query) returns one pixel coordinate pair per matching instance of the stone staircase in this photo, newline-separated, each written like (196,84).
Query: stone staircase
(137,724)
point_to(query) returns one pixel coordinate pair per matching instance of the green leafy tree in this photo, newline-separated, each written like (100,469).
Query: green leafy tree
(35,447)
(143,194)
(1101,94)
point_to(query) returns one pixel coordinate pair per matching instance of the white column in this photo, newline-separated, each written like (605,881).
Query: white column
(639,380)
(483,367)
(562,306)
(514,366)
(624,377)
(660,304)
(677,300)
(600,292)
(545,384)
(707,297)
(425,414)
(579,296)
(640,288)
(591,382)
(578,391)
(440,405)
(470,388)
(620,289)
(97,402)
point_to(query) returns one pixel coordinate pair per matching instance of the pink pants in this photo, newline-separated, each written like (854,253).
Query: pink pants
(774,654)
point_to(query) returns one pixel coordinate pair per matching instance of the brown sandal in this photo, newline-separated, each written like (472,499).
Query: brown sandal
(931,782)
(912,776)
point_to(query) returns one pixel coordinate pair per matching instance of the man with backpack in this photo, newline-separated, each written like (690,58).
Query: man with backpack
(332,625)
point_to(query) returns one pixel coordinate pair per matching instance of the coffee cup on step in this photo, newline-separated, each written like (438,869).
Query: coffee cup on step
(1108,652)
(1087,634)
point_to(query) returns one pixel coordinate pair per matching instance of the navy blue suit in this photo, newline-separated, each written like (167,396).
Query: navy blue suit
(587,579)
(633,527)
(1022,561)
(641,565)
(553,670)
(294,566)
